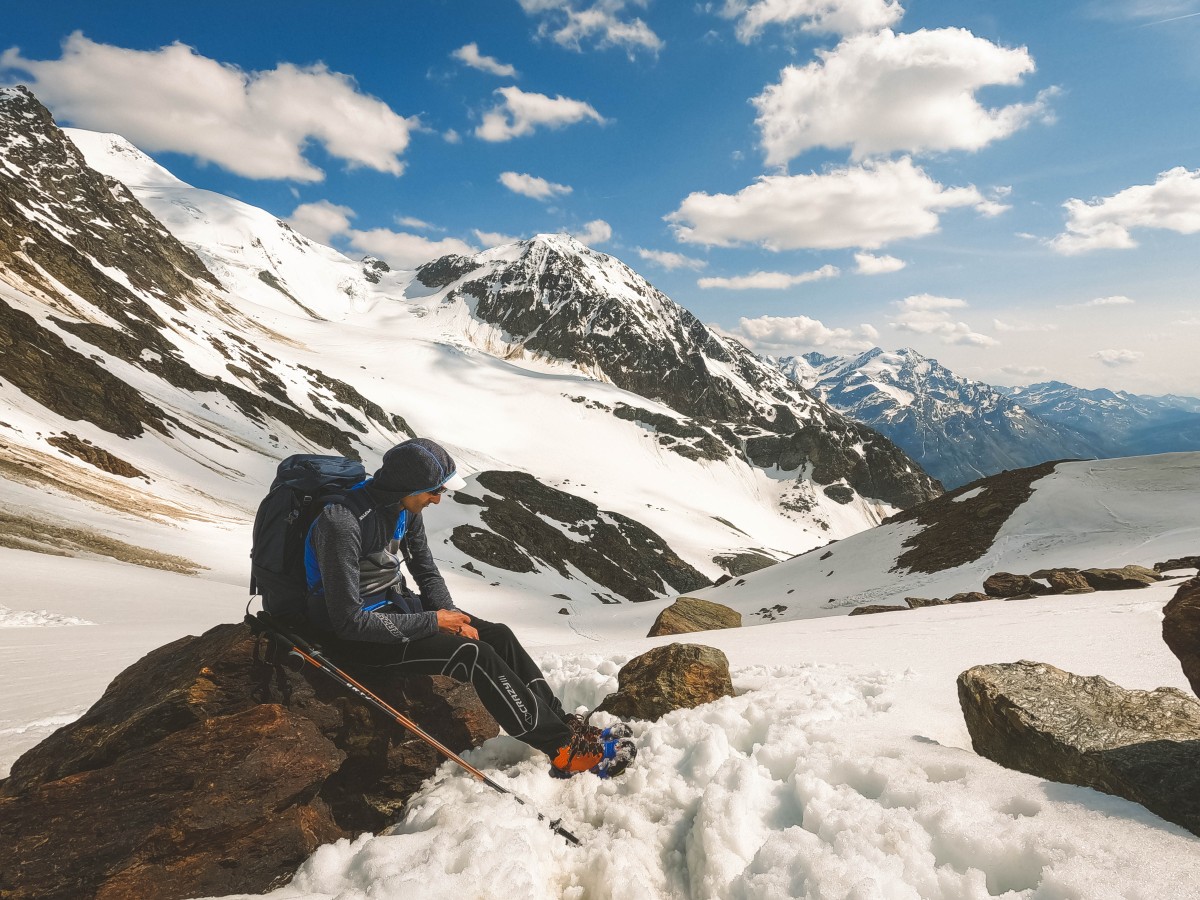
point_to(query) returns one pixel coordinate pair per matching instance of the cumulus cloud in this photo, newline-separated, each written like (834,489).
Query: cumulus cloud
(1117,300)
(928,314)
(782,335)
(522,113)
(998,325)
(595,232)
(1116,358)
(1172,203)
(321,221)
(469,55)
(494,238)
(671,261)
(821,16)
(532,186)
(865,206)
(769,280)
(414,222)
(255,124)
(885,92)
(869,264)
(570,24)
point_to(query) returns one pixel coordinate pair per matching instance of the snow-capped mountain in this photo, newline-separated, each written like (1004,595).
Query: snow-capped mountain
(957,429)
(161,336)
(1121,423)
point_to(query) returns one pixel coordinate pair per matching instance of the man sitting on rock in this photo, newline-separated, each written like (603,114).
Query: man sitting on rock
(371,619)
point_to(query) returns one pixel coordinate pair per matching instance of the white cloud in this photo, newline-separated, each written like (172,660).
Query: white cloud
(1194,320)
(782,335)
(452,137)
(256,124)
(864,206)
(569,23)
(1172,203)
(404,250)
(494,238)
(1117,358)
(522,113)
(769,280)
(321,221)
(595,232)
(869,264)
(414,222)
(671,261)
(822,16)
(469,55)
(927,314)
(1024,371)
(531,186)
(1022,327)
(1117,300)
(885,92)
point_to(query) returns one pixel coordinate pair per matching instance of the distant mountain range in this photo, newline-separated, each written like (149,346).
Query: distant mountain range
(960,430)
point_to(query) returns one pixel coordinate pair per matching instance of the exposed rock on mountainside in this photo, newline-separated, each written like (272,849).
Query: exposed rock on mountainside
(613,550)
(1140,745)
(957,429)
(552,297)
(689,614)
(1181,629)
(677,676)
(112,292)
(961,525)
(201,771)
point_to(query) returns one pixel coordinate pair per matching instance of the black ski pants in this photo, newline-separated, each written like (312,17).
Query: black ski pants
(509,683)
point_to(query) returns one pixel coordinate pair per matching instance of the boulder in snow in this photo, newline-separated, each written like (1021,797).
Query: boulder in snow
(1068,581)
(1174,564)
(202,771)
(1181,629)
(677,676)
(1006,584)
(1121,579)
(689,614)
(872,608)
(1140,745)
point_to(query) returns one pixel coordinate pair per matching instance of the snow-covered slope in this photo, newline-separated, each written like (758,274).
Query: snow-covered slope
(957,429)
(1099,513)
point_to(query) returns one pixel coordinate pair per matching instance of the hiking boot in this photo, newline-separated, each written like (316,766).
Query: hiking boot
(587,751)
(578,725)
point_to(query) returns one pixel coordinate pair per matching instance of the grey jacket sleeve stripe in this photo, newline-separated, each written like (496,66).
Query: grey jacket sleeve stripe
(337,543)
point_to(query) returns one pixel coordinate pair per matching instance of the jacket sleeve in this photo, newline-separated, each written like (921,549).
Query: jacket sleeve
(337,544)
(434,593)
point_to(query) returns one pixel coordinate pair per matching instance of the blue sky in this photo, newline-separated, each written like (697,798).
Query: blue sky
(1012,188)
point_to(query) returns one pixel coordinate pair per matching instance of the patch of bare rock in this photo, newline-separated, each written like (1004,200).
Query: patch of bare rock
(688,614)
(677,676)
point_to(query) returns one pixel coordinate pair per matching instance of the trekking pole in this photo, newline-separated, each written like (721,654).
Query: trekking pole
(306,653)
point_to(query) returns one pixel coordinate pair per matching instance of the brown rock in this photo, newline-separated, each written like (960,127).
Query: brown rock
(1183,562)
(201,771)
(677,676)
(1181,629)
(872,608)
(1068,581)
(1120,579)
(1005,584)
(969,597)
(1140,745)
(688,614)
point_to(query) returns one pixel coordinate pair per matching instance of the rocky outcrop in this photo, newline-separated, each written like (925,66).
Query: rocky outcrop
(1006,584)
(872,608)
(1123,579)
(1068,581)
(1140,745)
(677,676)
(744,562)
(689,614)
(613,550)
(1181,629)
(202,771)
(1175,564)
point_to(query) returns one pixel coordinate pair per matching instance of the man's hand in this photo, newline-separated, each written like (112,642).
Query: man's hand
(458,623)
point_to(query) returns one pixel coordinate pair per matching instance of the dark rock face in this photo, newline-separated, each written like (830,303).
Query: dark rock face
(678,676)
(689,614)
(1140,745)
(1181,629)
(563,301)
(958,531)
(1005,584)
(624,556)
(201,771)
(1183,562)
(739,564)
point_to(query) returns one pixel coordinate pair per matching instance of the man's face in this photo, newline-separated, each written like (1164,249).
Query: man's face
(416,503)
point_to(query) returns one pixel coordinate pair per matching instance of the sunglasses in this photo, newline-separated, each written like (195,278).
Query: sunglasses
(437,491)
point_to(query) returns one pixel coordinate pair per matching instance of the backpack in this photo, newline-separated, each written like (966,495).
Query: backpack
(304,485)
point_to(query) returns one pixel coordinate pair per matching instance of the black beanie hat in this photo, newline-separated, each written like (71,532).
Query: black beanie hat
(414,467)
